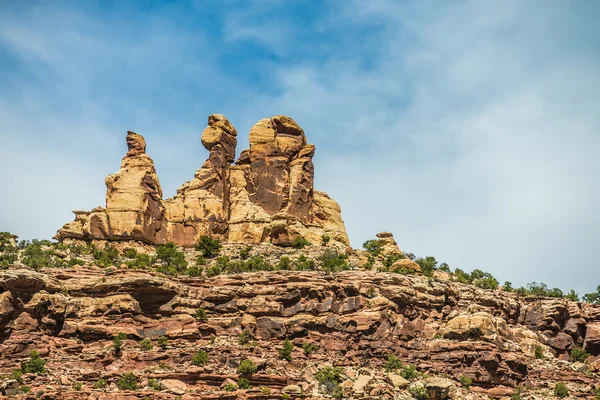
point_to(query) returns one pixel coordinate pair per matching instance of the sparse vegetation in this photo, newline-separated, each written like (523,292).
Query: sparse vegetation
(208,246)
(309,348)
(162,342)
(560,390)
(299,242)
(393,363)
(200,358)
(539,352)
(285,353)
(201,315)
(17,375)
(35,364)
(329,379)
(325,239)
(332,261)
(154,384)
(77,385)
(373,246)
(146,344)
(106,257)
(171,260)
(418,392)
(247,367)
(128,382)
(244,383)
(244,338)
(230,387)
(578,354)
(593,297)
(118,341)
(100,384)
(465,381)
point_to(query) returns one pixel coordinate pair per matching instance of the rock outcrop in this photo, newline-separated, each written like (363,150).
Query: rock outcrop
(266,196)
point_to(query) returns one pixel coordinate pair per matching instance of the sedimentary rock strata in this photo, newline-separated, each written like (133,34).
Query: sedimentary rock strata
(266,195)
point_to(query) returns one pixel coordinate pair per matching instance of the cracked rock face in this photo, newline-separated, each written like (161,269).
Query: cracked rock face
(267,195)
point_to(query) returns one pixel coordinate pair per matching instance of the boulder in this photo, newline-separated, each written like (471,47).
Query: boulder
(173,386)
(406,264)
(438,388)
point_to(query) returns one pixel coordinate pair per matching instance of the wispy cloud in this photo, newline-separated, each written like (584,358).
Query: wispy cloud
(470,130)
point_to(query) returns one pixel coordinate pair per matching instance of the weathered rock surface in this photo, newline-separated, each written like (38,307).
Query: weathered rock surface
(356,319)
(267,195)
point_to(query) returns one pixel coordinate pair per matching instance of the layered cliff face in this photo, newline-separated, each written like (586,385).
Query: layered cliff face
(267,195)
(354,320)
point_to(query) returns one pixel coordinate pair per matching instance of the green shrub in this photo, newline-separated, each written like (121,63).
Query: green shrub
(265,390)
(389,260)
(118,341)
(35,364)
(140,261)
(146,344)
(507,287)
(373,246)
(107,257)
(7,258)
(244,383)
(208,246)
(309,348)
(560,390)
(285,264)
(487,282)
(409,372)
(285,353)
(539,352)
(25,389)
(325,239)
(200,314)
(247,367)
(154,384)
(200,260)
(162,342)
(285,396)
(77,385)
(578,354)
(130,253)
(128,382)
(516,395)
(100,384)
(36,257)
(17,375)
(213,271)
(230,387)
(572,295)
(393,363)
(244,338)
(194,271)
(593,298)
(428,265)
(200,358)
(245,252)
(329,379)
(304,264)
(418,392)
(171,259)
(332,261)
(299,242)
(465,381)
(6,241)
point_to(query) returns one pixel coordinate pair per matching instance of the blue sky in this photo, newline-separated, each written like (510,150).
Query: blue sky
(470,129)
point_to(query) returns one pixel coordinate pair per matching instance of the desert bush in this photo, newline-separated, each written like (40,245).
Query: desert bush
(465,381)
(35,364)
(309,348)
(393,363)
(373,246)
(409,372)
(389,260)
(194,271)
(560,390)
(100,384)
(245,252)
(118,341)
(244,383)
(36,257)
(247,367)
(578,354)
(325,239)
(329,379)
(285,353)
(304,264)
(418,392)
(139,261)
(171,260)
(299,242)
(128,382)
(593,297)
(162,342)
(427,264)
(130,253)
(200,358)
(572,295)
(17,375)
(208,246)
(77,385)
(230,387)
(201,315)
(332,261)
(146,344)
(106,257)
(154,384)
(285,263)
(539,352)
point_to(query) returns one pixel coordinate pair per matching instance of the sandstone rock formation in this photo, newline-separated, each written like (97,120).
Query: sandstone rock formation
(355,320)
(267,195)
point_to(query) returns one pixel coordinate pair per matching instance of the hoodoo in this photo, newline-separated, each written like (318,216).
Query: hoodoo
(267,195)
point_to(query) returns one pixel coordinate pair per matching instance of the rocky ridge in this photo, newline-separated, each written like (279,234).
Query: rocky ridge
(266,195)
(355,320)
